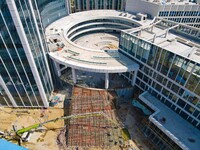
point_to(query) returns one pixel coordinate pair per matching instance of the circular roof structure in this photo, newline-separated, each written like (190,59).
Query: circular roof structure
(62,33)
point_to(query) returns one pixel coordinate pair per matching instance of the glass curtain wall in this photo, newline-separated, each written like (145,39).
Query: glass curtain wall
(14,66)
(173,79)
(51,10)
(27,19)
(81,5)
(4,99)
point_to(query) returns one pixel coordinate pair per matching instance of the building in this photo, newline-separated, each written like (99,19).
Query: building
(159,57)
(25,78)
(82,5)
(183,11)
(64,52)
(169,65)
(169,73)
(25,75)
(52,10)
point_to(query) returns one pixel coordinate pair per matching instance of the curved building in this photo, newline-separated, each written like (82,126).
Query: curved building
(25,75)
(65,32)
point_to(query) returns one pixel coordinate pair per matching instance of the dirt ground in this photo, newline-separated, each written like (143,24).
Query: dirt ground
(131,117)
(52,136)
(44,139)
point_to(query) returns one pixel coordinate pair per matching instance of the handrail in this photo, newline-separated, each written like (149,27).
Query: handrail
(90,62)
(72,52)
(107,57)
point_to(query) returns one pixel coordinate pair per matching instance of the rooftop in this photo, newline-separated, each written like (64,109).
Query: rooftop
(175,127)
(72,19)
(179,43)
(170,2)
(79,57)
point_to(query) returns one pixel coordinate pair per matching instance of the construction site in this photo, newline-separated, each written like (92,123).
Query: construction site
(97,131)
(90,119)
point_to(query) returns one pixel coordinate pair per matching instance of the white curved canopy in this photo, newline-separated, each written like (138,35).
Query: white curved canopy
(82,58)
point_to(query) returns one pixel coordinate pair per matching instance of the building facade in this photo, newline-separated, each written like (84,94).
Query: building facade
(25,79)
(169,69)
(82,5)
(182,11)
(52,10)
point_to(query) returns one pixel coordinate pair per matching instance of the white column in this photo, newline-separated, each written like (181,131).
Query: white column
(20,30)
(106,81)
(134,77)
(57,69)
(74,75)
(7,92)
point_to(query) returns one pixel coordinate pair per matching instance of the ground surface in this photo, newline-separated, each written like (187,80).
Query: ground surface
(26,117)
(132,119)
(91,133)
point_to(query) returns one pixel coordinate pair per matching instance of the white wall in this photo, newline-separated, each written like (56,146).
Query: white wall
(135,6)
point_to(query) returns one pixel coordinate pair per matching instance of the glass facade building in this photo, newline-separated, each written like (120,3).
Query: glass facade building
(188,17)
(51,10)
(81,5)
(182,11)
(25,79)
(172,78)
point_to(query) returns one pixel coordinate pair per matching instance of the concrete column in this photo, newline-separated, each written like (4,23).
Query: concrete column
(106,81)
(57,69)
(152,28)
(134,77)
(166,33)
(74,75)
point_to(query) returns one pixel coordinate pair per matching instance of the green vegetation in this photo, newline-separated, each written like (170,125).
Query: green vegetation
(125,134)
